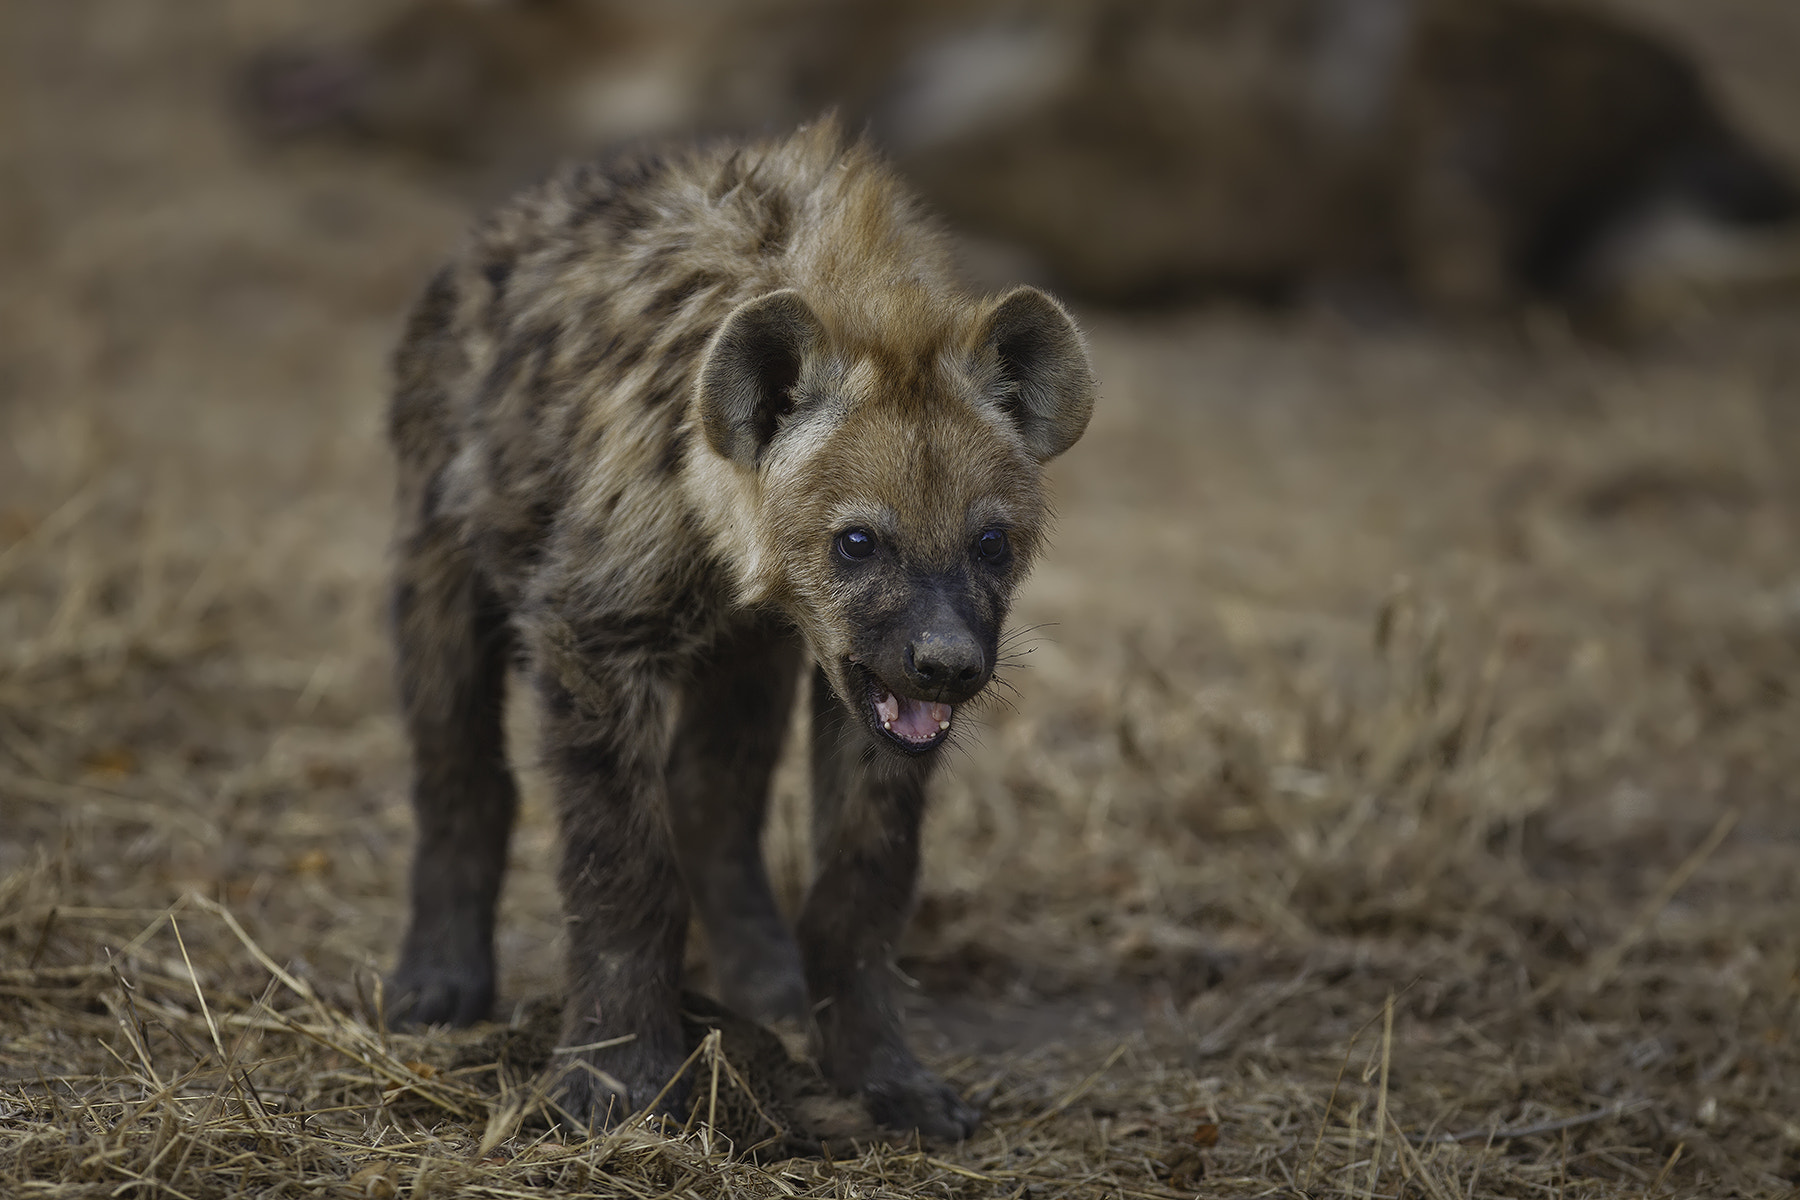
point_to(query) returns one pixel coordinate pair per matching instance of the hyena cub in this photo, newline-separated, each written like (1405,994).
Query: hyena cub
(666,429)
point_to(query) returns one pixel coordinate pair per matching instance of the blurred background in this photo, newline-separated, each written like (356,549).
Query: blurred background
(1461,153)
(1424,615)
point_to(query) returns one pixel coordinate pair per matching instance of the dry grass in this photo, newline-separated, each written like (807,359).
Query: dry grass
(1398,798)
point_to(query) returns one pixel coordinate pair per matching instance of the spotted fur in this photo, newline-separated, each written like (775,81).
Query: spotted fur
(634,416)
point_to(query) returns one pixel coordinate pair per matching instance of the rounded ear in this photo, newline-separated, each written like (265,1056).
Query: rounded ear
(1044,363)
(748,375)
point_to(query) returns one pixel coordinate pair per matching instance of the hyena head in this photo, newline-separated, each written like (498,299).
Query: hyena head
(887,475)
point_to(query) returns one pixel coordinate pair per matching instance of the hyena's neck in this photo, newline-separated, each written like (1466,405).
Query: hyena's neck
(729,504)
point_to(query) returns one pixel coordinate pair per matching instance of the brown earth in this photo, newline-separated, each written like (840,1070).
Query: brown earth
(1405,746)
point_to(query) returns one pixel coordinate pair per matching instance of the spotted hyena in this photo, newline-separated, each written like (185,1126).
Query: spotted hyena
(668,428)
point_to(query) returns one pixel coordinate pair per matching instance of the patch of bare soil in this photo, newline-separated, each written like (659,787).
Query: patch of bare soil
(1397,797)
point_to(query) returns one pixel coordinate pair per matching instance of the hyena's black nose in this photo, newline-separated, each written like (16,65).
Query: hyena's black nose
(945,662)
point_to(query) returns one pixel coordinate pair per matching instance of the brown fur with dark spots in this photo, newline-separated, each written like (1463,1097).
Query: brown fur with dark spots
(634,416)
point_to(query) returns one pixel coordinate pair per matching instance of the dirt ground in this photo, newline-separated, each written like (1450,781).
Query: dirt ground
(1397,798)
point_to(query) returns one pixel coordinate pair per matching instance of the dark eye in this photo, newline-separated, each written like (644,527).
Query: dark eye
(992,546)
(855,544)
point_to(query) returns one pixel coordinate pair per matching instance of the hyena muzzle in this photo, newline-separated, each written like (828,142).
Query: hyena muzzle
(667,428)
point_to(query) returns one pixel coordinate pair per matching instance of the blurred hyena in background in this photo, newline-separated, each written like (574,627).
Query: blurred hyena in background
(1468,154)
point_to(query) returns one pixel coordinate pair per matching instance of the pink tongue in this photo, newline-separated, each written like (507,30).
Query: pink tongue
(916,720)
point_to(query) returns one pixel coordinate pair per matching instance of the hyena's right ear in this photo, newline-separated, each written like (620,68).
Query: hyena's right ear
(747,380)
(1043,361)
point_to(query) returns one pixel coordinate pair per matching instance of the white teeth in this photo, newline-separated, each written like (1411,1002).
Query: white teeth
(887,724)
(943,724)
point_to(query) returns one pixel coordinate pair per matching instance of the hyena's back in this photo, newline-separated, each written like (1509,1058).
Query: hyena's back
(545,379)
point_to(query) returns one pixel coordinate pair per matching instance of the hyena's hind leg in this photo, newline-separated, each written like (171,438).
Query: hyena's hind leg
(454,645)
(734,713)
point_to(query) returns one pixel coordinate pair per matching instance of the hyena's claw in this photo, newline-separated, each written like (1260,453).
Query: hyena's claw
(925,1103)
(590,1097)
(582,1102)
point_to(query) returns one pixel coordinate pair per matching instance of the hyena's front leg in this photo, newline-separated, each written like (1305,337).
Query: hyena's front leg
(624,905)
(867,814)
(453,645)
(734,710)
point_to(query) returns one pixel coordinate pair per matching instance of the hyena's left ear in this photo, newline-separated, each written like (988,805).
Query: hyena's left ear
(1044,363)
(747,379)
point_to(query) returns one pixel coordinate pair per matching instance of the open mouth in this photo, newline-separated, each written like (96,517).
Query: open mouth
(913,725)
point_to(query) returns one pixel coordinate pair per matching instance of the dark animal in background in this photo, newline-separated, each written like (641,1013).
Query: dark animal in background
(668,429)
(1475,152)
(1471,154)
(498,89)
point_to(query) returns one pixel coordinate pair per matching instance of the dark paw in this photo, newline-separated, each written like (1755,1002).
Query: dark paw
(599,1094)
(921,1101)
(424,993)
(584,1101)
